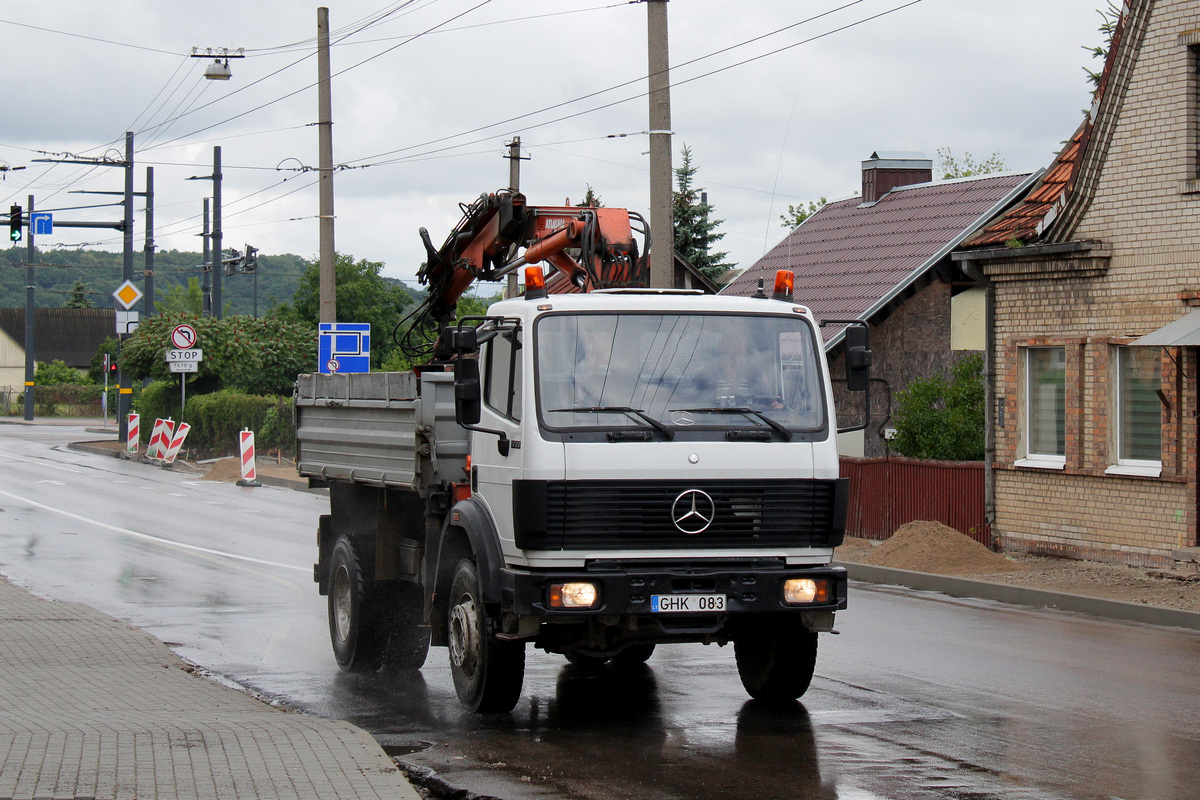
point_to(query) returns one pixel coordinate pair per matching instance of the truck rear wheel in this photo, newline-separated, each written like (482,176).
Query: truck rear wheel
(775,659)
(408,642)
(358,638)
(487,672)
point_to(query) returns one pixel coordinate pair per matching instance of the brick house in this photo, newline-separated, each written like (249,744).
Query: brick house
(884,257)
(1092,352)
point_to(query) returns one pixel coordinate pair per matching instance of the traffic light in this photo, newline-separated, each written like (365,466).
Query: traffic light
(14,223)
(250,260)
(110,364)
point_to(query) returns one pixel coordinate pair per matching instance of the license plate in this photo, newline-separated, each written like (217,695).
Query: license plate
(695,603)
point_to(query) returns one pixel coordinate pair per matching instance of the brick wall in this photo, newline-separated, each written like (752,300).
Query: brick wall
(1145,210)
(911,344)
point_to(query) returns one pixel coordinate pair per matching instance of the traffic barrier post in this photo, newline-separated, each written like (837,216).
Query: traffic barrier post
(134,436)
(249,473)
(175,443)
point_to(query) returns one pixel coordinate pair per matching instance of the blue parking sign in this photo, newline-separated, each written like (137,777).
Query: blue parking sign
(344,347)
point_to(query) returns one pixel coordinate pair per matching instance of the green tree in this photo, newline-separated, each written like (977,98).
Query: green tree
(79,296)
(590,199)
(109,346)
(943,419)
(259,356)
(798,213)
(1108,26)
(363,295)
(182,300)
(951,167)
(57,373)
(695,228)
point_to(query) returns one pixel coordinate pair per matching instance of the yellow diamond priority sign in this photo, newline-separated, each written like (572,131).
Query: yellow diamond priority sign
(127,294)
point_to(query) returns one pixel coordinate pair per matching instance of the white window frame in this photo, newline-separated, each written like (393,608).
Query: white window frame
(1127,466)
(1055,461)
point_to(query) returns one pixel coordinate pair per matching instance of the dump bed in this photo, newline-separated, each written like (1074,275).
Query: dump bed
(379,428)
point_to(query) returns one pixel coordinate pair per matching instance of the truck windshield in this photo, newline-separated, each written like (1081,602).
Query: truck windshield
(683,370)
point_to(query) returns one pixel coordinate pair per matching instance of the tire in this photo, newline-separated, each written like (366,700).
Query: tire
(358,637)
(775,660)
(487,672)
(633,656)
(408,640)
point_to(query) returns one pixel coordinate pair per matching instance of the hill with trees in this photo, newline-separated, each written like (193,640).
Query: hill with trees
(62,273)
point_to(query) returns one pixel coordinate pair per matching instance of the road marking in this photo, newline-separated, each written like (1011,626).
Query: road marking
(56,483)
(155,539)
(42,462)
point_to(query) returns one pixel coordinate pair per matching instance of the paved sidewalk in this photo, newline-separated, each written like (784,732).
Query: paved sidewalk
(92,708)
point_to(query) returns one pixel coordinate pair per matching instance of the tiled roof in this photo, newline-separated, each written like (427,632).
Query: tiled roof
(72,335)
(1051,209)
(1024,221)
(851,258)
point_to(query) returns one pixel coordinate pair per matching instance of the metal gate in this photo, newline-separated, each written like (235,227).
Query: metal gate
(887,492)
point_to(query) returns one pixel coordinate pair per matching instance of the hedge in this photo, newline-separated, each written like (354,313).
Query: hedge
(217,418)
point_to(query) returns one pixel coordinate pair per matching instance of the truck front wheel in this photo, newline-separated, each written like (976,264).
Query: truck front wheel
(358,639)
(487,672)
(775,659)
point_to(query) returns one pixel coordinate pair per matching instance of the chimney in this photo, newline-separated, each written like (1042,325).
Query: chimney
(884,171)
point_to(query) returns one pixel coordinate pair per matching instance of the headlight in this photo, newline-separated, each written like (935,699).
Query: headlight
(800,591)
(574,595)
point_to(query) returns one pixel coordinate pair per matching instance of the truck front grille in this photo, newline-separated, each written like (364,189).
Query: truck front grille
(611,515)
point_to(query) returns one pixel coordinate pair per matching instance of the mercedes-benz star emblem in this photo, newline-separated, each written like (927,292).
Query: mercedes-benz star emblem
(693,511)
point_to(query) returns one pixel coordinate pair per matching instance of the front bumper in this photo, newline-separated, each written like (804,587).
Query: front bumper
(626,588)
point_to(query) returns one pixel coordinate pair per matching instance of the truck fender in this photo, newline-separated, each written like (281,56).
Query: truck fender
(473,519)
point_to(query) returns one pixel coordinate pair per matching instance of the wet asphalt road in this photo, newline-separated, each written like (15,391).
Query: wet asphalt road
(920,697)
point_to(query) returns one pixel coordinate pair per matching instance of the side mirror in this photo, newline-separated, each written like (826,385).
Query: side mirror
(858,358)
(467,392)
(463,339)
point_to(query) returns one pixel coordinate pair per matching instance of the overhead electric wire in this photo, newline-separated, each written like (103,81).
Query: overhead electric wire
(89,38)
(311,85)
(624,100)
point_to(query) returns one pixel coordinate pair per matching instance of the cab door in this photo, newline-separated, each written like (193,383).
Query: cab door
(496,465)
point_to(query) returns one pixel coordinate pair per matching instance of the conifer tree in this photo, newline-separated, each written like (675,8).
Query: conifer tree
(695,228)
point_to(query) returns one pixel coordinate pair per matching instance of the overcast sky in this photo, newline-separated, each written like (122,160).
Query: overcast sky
(426,94)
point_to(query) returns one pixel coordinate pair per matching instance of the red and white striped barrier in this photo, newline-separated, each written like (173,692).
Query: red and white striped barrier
(160,439)
(176,442)
(134,436)
(249,473)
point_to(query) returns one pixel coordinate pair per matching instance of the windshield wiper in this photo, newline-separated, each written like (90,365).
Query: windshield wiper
(640,414)
(777,427)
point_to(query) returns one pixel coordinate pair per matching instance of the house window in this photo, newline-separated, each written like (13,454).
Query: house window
(1045,407)
(1138,416)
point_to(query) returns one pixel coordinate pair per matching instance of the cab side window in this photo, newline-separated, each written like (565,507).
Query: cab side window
(502,375)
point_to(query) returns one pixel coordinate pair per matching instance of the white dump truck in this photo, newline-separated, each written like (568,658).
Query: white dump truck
(594,474)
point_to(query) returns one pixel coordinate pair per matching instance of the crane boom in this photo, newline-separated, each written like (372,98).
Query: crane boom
(591,248)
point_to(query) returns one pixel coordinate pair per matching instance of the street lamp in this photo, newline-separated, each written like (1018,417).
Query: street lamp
(219,69)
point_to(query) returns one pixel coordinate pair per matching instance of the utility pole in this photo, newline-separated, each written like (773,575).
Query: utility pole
(30,367)
(124,391)
(662,227)
(213,255)
(206,268)
(148,272)
(327,283)
(514,183)
(124,385)
(217,268)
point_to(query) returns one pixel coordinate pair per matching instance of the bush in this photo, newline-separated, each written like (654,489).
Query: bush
(217,418)
(57,373)
(943,419)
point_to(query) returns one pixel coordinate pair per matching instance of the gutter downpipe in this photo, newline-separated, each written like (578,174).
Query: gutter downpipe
(972,270)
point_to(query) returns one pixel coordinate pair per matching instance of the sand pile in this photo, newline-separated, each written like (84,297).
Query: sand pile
(933,547)
(225,469)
